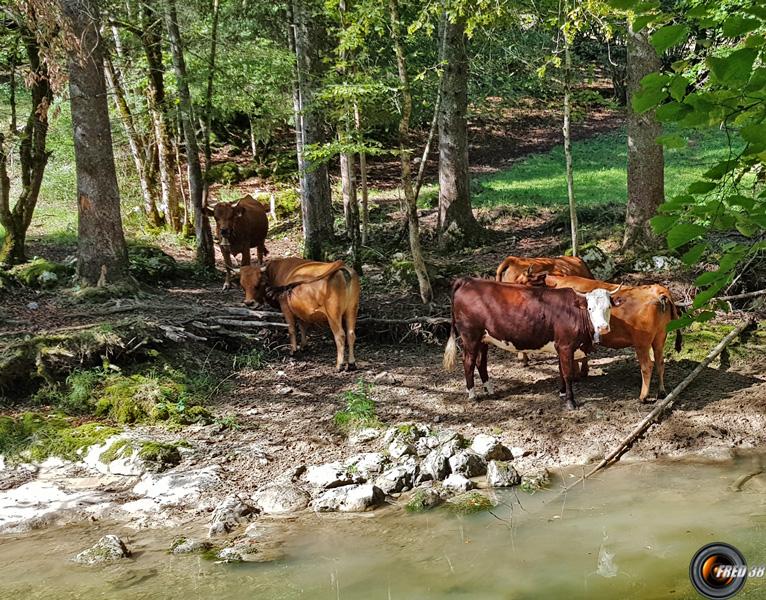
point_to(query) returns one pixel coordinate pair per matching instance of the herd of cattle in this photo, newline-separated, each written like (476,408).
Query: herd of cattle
(534,304)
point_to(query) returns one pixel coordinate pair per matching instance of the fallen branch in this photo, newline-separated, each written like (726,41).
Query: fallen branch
(744,296)
(248,324)
(424,320)
(667,403)
(248,312)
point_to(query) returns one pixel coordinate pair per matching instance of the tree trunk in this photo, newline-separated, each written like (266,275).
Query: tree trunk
(152,43)
(204,237)
(32,159)
(135,142)
(209,96)
(316,201)
(568,143)
(454,189)
(102,255)
(426,294)
(363,178)
(646,167)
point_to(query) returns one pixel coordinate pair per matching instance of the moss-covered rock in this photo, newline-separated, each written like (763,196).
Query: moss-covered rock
(423,500)
(42,273)
(600,263)
(159,456)
(149,264)
(469,503)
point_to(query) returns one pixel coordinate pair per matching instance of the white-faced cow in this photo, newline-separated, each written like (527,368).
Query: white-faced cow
(516,318)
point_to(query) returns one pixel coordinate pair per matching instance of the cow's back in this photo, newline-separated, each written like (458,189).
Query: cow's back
(515,267)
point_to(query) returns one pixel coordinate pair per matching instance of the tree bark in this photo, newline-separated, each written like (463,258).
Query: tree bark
(454,188)
(204,237)
(209,96)
(646,167)
(33,158)
(151,40)
(567,130)
(426,294)
(102,255)
(364,206)
(316,201)
(135,141)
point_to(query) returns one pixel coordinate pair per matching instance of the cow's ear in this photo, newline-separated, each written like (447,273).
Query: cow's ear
(239,210)
(617,300)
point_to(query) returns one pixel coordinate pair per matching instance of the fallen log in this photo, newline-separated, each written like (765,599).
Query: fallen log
(249,312)
(248,324)
(664,405)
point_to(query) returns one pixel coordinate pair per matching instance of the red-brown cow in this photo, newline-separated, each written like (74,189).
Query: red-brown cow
(309,292)
(240,226)
(514,317)
(639,321)
(517,269)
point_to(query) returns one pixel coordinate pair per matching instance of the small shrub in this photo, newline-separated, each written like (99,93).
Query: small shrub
(151,265)
(287,203)
(41,273)
(252,359)
(360,408)
(226,173)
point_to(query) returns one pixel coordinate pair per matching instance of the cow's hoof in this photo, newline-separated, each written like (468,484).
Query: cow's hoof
(572,405)
(647,400)
(351,366)
(661,395)
(226,287)
(340,368)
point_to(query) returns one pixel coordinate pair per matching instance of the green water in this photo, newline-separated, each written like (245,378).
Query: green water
(629,533)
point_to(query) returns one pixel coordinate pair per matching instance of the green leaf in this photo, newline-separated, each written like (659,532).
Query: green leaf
(678,87)
(704,316)
(641,21)
(683,233)
(720,169)
(709,277)
(684,321)
(672,111)
(668,36)
(702,187)
(737,25)
(746,227)
(692,256)
(661,223)
(671,140)
(703,298)
(623,4)
(756,11)
(654,81)
(735,67)
(643,100)
(755,133)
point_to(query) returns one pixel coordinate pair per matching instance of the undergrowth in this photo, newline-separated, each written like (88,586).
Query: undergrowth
(360,408)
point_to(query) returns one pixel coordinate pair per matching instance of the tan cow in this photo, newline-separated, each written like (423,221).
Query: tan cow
(517,269)
(310,293)
(639,320)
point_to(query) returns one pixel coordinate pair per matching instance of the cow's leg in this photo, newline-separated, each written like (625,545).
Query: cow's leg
(336,326)
(226,254)
(290,320)
(302,327)
(566,373)
(658,346)
(470,354)
(482,364)
(523,358)
(349,319)
(245,258)
(260,252)
(645,361)
(583,370)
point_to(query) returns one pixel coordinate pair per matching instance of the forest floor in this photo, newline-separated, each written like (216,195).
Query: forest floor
(286,406)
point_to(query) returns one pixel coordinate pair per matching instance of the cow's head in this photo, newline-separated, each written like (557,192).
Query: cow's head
(600,303)
(225,215)
(253,282)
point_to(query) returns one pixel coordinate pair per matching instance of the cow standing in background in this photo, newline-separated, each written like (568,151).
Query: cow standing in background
(639,321)
(514,317)
(309,292)
(516,269)
(240,226)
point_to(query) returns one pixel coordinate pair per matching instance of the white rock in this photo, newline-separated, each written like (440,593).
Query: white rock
(227,515)
(458,483)
(367,464)
(350,498)
(468,463)
(385,378)
(490,448)
(280,498)
(518,451)
(328,475)
(399,448)
(109,548)
(399,478)
(435,465)
(190,546)
(364,435)
(501,474)
(177,487)
(127,461)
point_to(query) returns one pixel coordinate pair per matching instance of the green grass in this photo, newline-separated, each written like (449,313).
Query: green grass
(360,408)
(600,165)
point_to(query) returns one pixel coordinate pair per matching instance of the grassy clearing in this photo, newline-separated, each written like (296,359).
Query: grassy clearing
(599,173)
(360,408)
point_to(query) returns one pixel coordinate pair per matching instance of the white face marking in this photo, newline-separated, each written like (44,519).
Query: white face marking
(599,310)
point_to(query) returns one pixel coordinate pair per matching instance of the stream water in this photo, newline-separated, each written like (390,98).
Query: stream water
(628,533)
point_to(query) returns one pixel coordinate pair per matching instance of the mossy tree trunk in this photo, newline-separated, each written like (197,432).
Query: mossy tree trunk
(102,255)
(33,158)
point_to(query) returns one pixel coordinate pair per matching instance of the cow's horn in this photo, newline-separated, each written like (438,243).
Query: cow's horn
(579,293)
(619,287)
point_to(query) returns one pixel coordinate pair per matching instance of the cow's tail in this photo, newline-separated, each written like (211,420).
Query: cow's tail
(666,300)
(501,270)
(450,352)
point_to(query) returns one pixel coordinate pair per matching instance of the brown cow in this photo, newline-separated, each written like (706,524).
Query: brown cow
(240,225)
(639,320)
(516,269)
(515,317)
(310,293)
